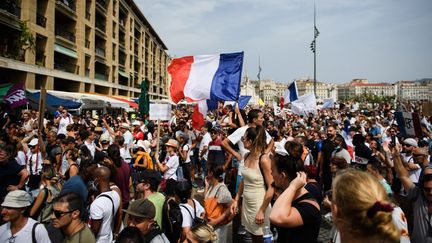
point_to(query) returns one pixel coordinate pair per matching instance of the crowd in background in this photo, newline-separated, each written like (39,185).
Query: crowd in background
(106,178)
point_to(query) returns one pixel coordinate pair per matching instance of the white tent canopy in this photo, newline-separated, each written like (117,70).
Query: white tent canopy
(94,99)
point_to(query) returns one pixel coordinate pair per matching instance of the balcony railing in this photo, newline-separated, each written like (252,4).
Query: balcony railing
(102,3)
(65,34)
(87,43)
(101,76)
(100,26)
(87,72)
(11,7)
(100,51)
(64,66)
(68,3)
(41,20)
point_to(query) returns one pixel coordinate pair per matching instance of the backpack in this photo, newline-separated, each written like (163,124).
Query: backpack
(172,220)
(195,220)
(47,206)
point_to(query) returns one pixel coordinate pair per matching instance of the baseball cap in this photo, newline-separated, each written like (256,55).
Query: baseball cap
(17,199)
(147,175)
(33,142)
(125,125)
(142,208)
(136,123)
(411,142)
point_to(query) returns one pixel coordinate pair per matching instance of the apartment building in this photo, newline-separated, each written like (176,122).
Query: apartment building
(414,91)
(94,46)
(323,90)
(362,86)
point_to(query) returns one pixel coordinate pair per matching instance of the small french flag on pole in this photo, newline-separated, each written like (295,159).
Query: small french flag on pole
(212,77)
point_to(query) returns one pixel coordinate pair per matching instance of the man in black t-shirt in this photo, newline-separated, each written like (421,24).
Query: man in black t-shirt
(324,157)
(12,175)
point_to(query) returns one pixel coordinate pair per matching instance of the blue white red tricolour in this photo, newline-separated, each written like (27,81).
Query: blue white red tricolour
(214,77)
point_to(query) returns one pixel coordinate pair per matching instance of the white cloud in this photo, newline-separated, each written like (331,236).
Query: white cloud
(355,35)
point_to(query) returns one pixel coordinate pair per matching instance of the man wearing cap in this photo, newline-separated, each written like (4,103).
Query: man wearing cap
(18,227)
(408,145)
(104,141)
(126,133)
(137,133)
(34,160)
(141,214)
(169,166)
(148,182)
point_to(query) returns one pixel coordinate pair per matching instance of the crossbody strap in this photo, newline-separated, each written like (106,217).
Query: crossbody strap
(183,206)
(34,233)
(113,213)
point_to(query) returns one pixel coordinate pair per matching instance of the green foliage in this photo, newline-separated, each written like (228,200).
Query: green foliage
(26,40)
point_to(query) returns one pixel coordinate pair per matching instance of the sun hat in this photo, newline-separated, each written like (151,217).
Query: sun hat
(125,125)
(17,199)
(172,143)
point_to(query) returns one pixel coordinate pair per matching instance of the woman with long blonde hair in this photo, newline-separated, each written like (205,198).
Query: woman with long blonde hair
(361,209)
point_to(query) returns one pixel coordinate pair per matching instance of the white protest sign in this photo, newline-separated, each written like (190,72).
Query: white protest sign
(160,112)
(277,109)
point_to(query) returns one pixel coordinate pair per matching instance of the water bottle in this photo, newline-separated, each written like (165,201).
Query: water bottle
(268,236)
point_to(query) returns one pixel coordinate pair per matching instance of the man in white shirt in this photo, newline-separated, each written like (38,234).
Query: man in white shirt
(19,228)
(128,137)
(104,211)
(203,148)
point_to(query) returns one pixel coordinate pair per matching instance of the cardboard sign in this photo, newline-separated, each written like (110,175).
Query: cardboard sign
(427,108)
(160,112)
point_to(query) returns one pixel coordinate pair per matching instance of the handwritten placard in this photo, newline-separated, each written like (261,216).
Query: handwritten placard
(160,112)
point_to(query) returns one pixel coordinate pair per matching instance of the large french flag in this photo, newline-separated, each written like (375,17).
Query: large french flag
(213,77)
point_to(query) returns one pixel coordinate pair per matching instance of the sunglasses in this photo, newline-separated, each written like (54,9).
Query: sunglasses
(59,214)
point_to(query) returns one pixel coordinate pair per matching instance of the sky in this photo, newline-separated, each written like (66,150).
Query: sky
(379,40)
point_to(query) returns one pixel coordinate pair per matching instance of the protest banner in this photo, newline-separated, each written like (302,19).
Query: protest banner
(408,123)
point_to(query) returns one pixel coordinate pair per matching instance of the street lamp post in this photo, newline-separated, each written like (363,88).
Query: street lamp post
(313,48)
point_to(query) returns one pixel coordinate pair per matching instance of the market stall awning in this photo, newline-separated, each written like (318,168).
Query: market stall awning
(54,101)
(132,104)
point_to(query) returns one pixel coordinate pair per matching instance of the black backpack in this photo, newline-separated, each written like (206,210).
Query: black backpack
(195,220)
(172,220)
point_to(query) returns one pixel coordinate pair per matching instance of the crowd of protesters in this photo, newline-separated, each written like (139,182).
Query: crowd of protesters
(106,178)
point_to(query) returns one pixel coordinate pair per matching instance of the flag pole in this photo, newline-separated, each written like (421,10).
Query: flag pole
(314,51)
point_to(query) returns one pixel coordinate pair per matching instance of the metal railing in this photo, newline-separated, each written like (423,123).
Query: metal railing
(100,26)
(101,76)
(102,3)
(68,3)
(65,34)
(41,20)
(64,66)
(100,51)
(11,7)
